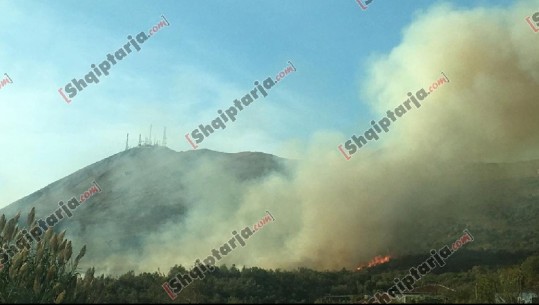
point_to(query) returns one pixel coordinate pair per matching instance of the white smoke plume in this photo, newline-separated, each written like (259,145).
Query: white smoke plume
(332,213)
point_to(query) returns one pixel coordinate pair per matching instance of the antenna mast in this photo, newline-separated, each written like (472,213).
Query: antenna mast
(127,142)
(150,135)
(139,139)
(165,138)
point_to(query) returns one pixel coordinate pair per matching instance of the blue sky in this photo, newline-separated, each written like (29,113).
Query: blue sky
(211,54)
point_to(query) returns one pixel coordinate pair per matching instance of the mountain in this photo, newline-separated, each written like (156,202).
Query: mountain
(143,189)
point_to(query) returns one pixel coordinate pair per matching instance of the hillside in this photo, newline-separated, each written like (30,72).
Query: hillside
(143,189)
(154,197)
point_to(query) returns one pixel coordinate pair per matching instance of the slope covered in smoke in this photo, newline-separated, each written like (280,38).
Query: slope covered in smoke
(142,189)
(159,207)
(421,187)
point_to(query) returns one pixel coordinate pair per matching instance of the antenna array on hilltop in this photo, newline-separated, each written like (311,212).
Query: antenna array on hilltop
(148,140)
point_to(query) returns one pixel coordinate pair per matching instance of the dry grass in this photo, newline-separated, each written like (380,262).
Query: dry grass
(44,273)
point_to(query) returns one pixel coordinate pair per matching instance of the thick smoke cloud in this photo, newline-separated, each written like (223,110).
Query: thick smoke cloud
(332,213)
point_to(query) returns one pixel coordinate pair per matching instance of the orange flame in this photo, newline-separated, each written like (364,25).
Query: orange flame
(377,260)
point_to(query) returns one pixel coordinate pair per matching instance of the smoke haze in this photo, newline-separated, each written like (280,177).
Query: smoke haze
(333,213)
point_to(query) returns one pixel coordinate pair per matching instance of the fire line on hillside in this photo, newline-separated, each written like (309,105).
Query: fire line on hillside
(377,260)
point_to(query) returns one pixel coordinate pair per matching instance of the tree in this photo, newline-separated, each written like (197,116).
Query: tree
(485,289)
(510,284)
(530,271)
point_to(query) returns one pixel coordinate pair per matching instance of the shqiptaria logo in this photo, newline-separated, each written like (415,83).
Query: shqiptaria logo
(179,282)
(27,237)
(363,6)
(204,131)
(535,18)
(355,143)
(77,85)
(4,82)
(406,284)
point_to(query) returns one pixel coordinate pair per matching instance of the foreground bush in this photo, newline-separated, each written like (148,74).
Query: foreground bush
(40,273)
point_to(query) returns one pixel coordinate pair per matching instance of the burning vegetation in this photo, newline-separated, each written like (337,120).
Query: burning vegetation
(377,260)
